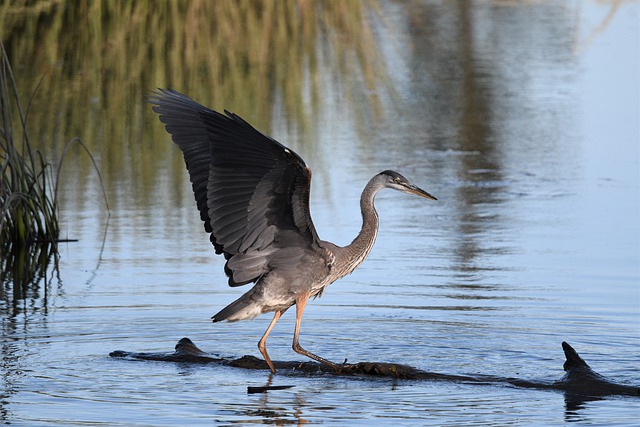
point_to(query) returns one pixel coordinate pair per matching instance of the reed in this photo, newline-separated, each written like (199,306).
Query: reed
(29,229)
(28,209)
(27,204)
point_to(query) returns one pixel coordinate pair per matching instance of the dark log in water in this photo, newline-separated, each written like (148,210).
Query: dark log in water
(579,379)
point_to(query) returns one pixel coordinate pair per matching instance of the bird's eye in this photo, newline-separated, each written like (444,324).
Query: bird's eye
(396,180)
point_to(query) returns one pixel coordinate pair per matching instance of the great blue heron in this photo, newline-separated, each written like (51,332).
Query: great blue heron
(253,196)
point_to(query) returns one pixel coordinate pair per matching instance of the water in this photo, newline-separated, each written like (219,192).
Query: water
(521,118)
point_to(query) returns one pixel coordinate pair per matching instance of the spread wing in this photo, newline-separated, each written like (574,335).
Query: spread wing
(252,192)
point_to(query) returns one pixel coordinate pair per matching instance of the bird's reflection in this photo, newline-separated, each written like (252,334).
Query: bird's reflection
(574,404)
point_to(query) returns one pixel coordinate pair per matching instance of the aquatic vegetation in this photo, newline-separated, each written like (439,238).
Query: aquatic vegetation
(29,229)
(28,224)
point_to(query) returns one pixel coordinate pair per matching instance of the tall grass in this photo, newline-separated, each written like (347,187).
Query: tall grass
(28,223)
(29,229)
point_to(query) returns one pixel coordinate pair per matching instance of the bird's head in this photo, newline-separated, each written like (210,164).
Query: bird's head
(392,179)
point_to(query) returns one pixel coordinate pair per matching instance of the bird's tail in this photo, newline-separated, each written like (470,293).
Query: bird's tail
(245,307)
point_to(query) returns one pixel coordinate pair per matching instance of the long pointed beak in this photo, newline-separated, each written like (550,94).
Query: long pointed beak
(418,191)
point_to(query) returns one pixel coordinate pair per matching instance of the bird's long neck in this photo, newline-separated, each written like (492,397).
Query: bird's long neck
(354,253)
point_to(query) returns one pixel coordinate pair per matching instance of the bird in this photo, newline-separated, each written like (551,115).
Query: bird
(252,193)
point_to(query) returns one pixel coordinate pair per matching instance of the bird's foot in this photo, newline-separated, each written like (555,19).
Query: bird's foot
(342,368)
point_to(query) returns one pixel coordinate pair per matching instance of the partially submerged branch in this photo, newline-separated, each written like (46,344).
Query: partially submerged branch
(579,379)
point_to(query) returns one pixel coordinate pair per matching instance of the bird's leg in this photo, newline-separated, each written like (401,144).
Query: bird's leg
(262,344)
(301,303)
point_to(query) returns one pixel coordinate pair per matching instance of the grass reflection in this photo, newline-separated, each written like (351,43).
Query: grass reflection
(100,59)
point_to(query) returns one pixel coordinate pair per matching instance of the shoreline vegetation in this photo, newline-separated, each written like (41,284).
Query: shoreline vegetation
(29,223)
(29,227)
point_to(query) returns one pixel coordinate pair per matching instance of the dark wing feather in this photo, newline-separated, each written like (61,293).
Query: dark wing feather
(252,192)
(182,119)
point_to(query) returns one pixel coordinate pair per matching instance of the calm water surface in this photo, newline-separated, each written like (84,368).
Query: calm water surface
(522,119)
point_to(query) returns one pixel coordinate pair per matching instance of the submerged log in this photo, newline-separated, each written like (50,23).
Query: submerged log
(185,351)
(579,379)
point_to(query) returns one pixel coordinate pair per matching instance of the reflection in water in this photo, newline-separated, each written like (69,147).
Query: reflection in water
(275,413)
(26,283)
(474,135)
(574,404)
(260,59)
(473,80)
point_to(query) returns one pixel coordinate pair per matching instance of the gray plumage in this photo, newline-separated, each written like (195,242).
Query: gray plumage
(253,196)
